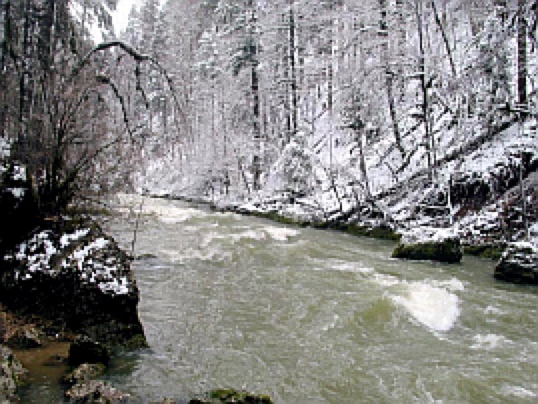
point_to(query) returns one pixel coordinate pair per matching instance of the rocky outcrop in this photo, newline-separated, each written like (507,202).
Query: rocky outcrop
(435,245)
(71,271)
(519,264)
(12,375)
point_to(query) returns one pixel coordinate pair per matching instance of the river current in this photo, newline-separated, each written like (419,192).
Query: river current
(316,316)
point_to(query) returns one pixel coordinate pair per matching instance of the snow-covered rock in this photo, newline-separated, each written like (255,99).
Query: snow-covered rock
(519,264)
(72,271)
(429,244)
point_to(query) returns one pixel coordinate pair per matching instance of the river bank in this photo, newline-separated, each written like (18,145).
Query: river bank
(381,229)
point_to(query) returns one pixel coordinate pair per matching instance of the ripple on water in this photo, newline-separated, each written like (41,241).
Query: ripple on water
(331,317)
(489,341)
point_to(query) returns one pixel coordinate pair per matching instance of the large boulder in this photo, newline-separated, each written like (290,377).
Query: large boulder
(430,244)
(71,271)
(12,375)
(518,264)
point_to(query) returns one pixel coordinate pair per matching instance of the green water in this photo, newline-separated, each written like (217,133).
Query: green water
(313,316)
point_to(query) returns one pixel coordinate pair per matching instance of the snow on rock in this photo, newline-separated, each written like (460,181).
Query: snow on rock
(41,252)
(429,244)
(427,234)
(519,264)
(72,271)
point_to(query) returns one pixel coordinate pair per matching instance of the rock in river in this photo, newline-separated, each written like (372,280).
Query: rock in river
(430,244)
(231,396)
(70,271)
(519,264)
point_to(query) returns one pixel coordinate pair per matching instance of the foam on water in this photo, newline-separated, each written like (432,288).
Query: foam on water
(258,234)
(434,307)
(171,215)
(165,211)
(197,254)
(453,285)
(386,280)
(488,341)
(281,233)
(518,391)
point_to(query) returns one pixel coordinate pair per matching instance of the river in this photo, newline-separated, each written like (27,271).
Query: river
(316,316)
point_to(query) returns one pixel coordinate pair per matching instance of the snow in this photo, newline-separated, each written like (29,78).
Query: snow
(427,234)
(18,193)
(38,254)
(533,231)
(19,173)
(66,239)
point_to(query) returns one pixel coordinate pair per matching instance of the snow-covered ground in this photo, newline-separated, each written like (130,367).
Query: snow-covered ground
(302,186)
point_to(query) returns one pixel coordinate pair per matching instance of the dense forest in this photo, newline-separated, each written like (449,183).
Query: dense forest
(419,110)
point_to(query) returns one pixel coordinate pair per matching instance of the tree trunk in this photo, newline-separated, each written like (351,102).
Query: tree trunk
(521,55)
(430,146)
(292,67)
(445,38)
(256,127)
(389,74)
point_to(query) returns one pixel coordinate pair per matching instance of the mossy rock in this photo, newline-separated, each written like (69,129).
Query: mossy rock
(485,251)
(232,396)
(380,232)
(448,251)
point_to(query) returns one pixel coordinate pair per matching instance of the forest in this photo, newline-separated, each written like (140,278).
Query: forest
(332,103)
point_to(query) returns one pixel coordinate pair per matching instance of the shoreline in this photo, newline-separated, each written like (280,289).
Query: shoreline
(482,250)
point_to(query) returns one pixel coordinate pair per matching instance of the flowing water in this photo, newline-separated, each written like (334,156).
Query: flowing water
(315,316)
